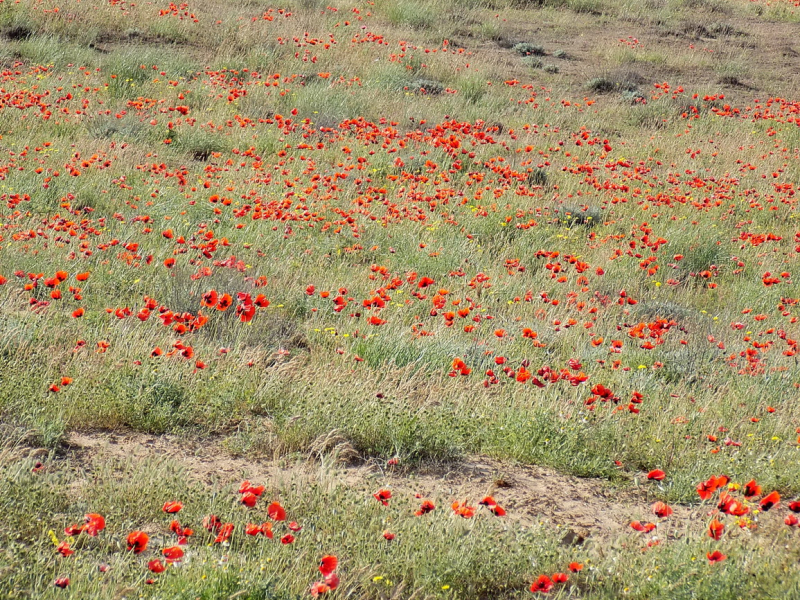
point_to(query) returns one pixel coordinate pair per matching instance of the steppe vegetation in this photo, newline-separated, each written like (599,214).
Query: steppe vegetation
(391,300)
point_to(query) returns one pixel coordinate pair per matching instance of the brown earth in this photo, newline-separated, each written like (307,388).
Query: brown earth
(584,508)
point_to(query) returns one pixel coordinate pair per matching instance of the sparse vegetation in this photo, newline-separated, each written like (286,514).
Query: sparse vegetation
(528,49)
(533,62)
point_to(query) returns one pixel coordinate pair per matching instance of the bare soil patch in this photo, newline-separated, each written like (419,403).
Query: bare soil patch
(585,508)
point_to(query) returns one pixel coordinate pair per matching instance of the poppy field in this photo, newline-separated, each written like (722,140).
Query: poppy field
(393,300)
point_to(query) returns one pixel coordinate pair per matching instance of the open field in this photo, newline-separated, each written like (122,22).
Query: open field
(494,298)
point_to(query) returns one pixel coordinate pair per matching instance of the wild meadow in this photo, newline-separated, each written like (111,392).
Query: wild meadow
(473,299)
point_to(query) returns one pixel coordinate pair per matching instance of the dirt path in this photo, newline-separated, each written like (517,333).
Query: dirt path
(585,508)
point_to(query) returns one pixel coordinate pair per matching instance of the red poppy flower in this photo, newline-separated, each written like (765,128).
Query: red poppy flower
(752,489)
(173,553)
(424,508)
(643,527)
(705,489)
(656,475)
(388,535)
(210,299)
(246,486)
(795,506)
(212,523)
(224,534)
(661,510)
(328,564)
(181,532)
(156,566)
(731,506)
(459,366)
(791,520)
(64,550)
(172,507)
(332,580)
(319,588)
(770,501)
(463,510)
(276,512)
(560,578)
(266,529)
(715,557)
(245,312)
(383,496)
(543,584)
(721,480)
(261,301)
(137,541)
(249,499)
(294,526)
(497,510)
(61,582)
(287,539)
(94,524)
(575,567)
(225,302)
(715,529)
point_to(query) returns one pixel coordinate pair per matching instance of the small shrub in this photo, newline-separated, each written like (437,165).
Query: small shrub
(427,87)
(624,80)
(537,177)
(601,85)
(662,309)
(17,32)
(593,7)
(504,42)
(528,49)
(576,215)
(50,431)
(551,68)
(732,81)
(561,54)
(723,29)
(634,96)
(533,62)
(199,143)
